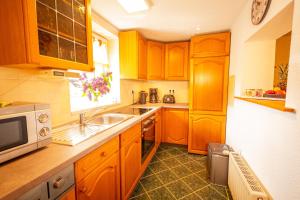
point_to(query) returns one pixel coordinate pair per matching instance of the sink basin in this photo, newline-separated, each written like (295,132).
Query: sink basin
(109,119)
(76,133)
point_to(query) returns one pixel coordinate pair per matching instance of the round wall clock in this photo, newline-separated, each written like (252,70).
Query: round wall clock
(259,10)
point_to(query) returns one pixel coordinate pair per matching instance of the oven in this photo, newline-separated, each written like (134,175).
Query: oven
(148,136)
(23,128)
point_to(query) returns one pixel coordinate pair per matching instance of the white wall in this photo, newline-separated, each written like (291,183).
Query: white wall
(258,64)
(268,139)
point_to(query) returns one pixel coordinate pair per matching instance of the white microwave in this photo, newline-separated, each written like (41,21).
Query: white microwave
(24,127)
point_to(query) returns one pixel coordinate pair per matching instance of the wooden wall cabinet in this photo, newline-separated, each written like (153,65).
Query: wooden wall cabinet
(177,61)
(204,129)
(155,60)
(210,45)
(175,126)
(98,173)
(46,34)
(209,85)
(130,159)
(133,55)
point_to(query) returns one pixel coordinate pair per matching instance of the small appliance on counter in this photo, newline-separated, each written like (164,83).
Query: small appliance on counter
(153,97)
(143,97)
(169,98)
(24,127)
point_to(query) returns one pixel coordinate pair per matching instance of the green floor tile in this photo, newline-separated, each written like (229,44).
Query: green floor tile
(151,182)
(161,194)
(181,171)
(167,176)
(138,190)
(179,189)
(194,182)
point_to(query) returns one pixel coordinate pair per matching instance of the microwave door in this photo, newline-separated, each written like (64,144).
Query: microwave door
(17,131)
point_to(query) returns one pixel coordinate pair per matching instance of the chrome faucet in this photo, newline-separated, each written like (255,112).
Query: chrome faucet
(82,119)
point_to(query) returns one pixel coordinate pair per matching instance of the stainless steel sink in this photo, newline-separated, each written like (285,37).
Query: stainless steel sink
(108,119)
(76,133)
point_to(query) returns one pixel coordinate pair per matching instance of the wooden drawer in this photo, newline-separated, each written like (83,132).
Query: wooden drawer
(88,163)
(130,134)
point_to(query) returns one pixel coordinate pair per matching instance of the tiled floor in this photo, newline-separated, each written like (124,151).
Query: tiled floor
(175,174)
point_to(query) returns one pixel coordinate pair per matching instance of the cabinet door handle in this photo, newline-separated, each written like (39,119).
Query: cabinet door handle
(59,182)
(103,154)
(83,189)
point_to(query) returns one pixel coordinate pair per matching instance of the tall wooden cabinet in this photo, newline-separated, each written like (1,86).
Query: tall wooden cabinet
(41,33)
(210,45)
(155,60)
(175,126)
(176,61)
(133,55)
(205,129)
(208,85)
(208,90)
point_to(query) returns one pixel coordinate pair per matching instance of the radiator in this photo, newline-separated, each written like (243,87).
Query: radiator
(242,182)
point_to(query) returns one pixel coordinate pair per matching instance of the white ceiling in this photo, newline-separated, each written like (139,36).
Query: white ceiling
(173,20)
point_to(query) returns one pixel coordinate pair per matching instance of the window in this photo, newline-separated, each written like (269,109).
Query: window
(106,58)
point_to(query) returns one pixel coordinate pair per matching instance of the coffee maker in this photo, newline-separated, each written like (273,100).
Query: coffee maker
(153,95)
(143,97)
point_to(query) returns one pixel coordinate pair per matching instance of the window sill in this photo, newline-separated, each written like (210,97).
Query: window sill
(277,104)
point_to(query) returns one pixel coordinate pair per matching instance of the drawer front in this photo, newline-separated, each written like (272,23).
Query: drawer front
(130,134)
(61,182)
(86,164)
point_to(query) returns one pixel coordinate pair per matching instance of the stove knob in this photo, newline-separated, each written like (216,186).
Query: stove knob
(43,118)
(44,131)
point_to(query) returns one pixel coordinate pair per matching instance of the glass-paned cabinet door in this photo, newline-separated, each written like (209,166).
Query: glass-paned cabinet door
(62,29)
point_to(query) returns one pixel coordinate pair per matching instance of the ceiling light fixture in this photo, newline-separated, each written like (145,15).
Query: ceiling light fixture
(132,6)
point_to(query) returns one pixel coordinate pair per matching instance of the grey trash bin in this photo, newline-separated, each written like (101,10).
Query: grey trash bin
(217,163)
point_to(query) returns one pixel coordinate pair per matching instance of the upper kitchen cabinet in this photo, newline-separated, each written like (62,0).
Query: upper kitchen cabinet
(177,60)
(210,45)
(208,85)
(46,33)
(133,55)
(155,60)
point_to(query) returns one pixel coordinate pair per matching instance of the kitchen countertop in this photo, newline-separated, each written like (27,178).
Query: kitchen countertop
(164,105)
(21,174)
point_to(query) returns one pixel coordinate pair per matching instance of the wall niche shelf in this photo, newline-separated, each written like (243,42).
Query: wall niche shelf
(277,104)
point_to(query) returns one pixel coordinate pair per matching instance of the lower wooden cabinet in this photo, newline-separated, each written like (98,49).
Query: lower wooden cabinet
(158,128)
(175,126)
(70,195)
(204,129)
(130,166)
(102,183)
(131,159)
(98,173)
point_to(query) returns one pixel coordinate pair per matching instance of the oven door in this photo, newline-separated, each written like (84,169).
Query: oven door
(17,131)
(148,137)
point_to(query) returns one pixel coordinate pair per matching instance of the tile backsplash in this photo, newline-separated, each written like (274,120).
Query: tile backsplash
(30,86)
